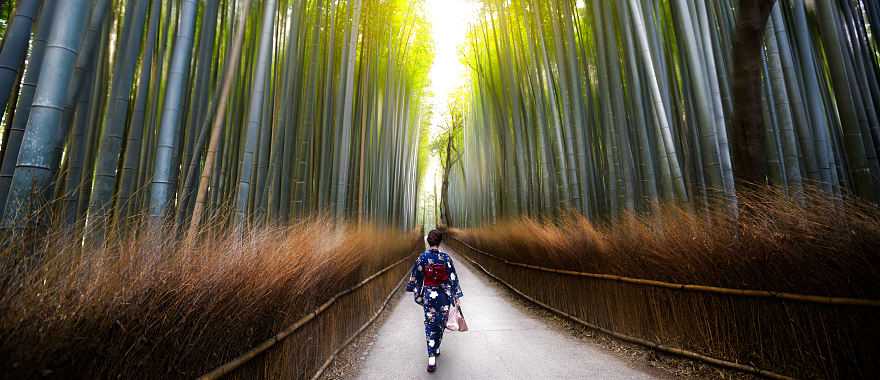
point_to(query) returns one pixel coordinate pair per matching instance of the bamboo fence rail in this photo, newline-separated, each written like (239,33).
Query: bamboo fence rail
(697,288)
(318,333)
(771,334)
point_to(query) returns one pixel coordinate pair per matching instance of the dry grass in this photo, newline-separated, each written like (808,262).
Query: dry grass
(148,307)
(826,246)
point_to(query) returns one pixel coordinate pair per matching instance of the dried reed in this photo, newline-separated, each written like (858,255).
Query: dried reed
(822,246)
(150,307)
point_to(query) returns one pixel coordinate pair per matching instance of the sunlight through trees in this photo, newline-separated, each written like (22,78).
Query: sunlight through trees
(249,111)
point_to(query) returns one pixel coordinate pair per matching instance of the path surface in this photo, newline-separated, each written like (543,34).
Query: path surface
(504,342)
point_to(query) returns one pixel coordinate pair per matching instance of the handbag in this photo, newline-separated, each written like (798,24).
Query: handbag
(455,320)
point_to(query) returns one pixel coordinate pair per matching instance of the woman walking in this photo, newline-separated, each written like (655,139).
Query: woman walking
(435,286)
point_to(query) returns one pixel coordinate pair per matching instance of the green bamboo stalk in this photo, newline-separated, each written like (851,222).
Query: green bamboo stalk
(43,138)
(165,169)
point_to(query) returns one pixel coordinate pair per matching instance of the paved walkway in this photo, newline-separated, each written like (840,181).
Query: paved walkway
(504,342)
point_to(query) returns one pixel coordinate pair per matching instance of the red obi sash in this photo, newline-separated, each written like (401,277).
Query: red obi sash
(435,274)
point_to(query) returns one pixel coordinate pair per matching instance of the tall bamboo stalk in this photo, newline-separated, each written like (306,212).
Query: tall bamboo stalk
(42,141)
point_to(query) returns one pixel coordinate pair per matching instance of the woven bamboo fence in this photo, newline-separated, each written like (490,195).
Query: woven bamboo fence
(306,348)
(776,335)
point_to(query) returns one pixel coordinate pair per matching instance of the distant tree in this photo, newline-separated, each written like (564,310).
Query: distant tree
(448,146)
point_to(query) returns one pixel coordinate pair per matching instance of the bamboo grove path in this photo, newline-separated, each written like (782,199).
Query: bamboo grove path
(504,342)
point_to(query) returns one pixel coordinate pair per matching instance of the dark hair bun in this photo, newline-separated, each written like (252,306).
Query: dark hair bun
(434,238)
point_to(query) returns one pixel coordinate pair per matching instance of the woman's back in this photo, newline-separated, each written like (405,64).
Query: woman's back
(435,286)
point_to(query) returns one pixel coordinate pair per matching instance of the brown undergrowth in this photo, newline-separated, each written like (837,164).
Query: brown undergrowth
(151,307)
(818,246)
(823,246)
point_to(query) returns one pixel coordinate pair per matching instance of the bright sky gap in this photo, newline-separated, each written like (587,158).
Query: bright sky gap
(450,20)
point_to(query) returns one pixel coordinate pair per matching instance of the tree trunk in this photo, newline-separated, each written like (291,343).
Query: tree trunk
(747,129)
(445,218)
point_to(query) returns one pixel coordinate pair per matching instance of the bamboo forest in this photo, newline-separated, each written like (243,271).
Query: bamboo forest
(629,189)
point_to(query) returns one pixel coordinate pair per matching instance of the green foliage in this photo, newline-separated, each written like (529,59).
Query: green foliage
(454,121)
(610,106)
(332,125)
(5,11)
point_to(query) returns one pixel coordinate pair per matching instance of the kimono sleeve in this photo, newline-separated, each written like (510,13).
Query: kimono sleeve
(416,276)
(453,278)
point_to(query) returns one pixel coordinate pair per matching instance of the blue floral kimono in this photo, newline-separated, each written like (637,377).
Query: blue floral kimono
(435,286)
